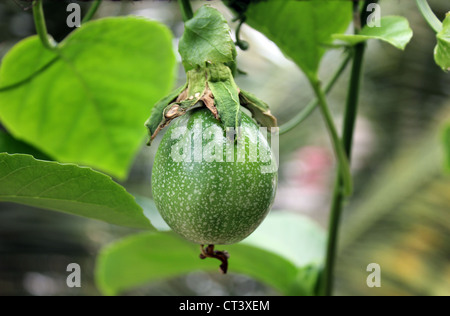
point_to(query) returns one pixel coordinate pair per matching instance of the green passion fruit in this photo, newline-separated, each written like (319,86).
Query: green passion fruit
(211,188)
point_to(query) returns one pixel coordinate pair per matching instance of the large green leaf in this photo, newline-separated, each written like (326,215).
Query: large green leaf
(291,236)
(394,30)
(442,50)
(69,189)
(9,144)
(206,38)
(301,29)
(144,258)
(87,102)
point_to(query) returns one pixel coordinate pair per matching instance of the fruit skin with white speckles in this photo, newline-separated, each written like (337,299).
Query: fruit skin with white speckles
(205,200)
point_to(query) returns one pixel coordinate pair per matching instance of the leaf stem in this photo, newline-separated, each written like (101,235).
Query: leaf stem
(186,9)
(309,109)
(429,16)
(343,165)
(41,28)
(347,140)
(92,10)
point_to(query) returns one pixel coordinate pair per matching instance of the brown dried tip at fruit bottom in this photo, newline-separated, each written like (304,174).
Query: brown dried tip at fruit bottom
(223,256)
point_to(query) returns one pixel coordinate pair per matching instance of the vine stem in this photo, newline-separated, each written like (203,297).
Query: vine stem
(429,16)
(338,198)
(186,9)
(311,106)
(41,28)
(343,164)
(92,10)
(351,111)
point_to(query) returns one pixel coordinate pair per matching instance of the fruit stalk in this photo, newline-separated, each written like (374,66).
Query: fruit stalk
(209,252)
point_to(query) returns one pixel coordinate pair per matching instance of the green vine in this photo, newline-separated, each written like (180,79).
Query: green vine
(351,111)
(186,9)
(311,106)
(41,28)
(429,16)
(92,10)
(240,43)
(344,167)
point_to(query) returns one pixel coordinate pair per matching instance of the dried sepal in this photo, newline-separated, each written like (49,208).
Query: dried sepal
(259,109)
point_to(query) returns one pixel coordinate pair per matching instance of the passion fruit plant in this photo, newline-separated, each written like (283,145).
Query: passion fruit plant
(83,102)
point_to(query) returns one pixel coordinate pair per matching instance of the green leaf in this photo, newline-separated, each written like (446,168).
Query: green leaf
(67,188)
(148,257)
(394,30)
(206,38)
(442,50)
(301,29)
(9,144)
(196,80)
(446,141)
(307,281)
(291,236)
(143,258)
(226,94)
(89,102)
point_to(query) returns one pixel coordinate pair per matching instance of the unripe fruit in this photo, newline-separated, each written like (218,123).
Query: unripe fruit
(209,201)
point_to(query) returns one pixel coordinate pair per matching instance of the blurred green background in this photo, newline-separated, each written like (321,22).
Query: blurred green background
(398,217)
